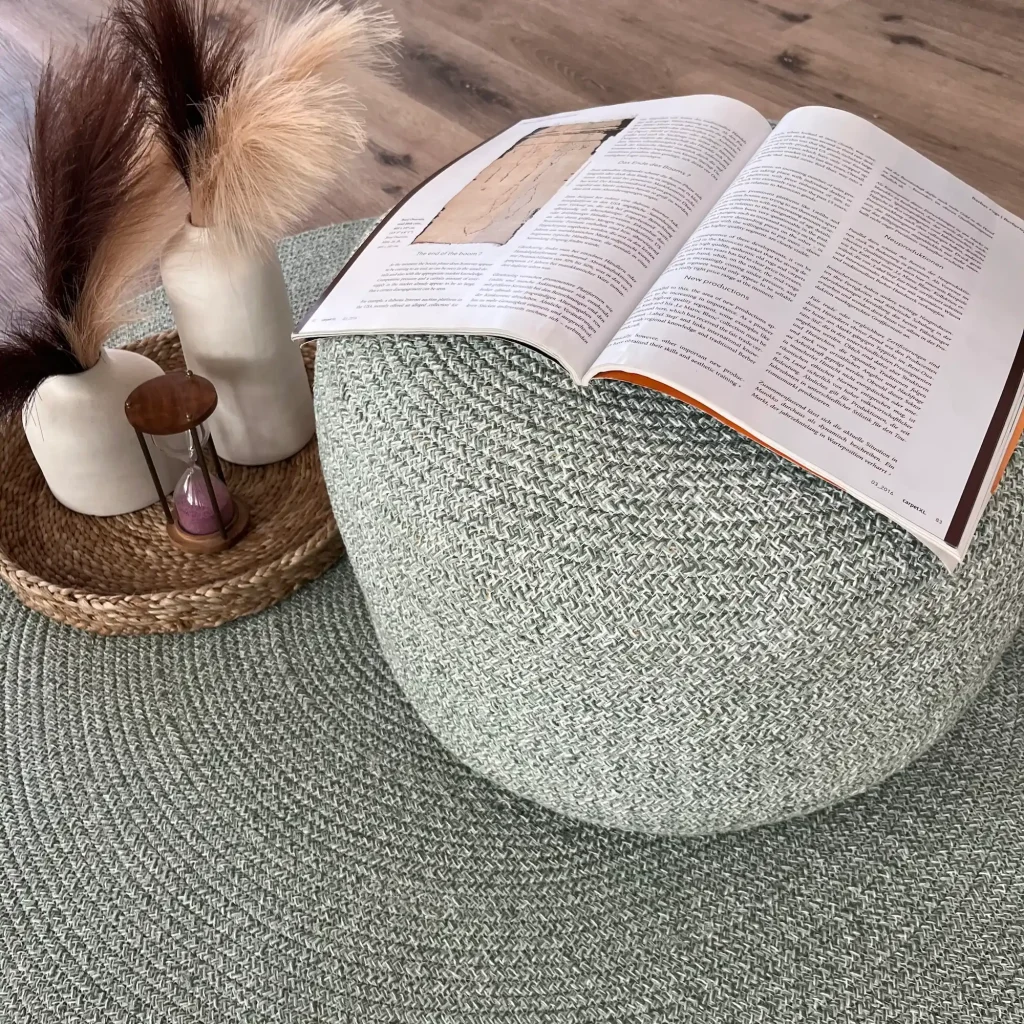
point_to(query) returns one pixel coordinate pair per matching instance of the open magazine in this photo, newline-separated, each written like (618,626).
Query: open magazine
(820,287)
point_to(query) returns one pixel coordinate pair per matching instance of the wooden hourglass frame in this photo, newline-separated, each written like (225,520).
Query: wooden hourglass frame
(178,403)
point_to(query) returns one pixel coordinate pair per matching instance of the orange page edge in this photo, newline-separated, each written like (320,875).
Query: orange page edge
(656,385)
(1010,449)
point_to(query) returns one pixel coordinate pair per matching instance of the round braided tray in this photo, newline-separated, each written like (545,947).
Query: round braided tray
(121,575)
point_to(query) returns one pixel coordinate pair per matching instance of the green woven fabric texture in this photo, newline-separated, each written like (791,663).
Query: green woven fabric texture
(612,604)
(251,825)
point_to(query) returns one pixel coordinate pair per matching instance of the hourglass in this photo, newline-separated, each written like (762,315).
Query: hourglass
(202,516)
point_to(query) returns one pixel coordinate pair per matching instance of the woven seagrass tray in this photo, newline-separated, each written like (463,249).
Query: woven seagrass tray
(120,575)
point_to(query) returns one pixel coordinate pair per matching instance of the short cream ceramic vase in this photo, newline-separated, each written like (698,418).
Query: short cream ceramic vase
(88,452)
(234,322)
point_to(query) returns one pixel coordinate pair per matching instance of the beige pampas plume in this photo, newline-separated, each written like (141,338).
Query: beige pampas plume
(186,53)
(287,124)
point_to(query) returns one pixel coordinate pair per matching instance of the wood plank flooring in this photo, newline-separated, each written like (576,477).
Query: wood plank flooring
(945,76)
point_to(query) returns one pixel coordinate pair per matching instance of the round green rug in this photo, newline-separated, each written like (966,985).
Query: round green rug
(250,825)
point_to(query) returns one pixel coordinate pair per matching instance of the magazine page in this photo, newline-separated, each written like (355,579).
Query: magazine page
(855,307)
(549,233)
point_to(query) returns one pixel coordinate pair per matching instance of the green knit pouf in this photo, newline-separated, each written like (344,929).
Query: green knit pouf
(606,601)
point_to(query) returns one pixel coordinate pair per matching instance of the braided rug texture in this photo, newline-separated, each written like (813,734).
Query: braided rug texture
(612,604)
(251,825)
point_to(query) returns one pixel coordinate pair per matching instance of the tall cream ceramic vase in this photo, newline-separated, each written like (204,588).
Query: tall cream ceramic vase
(235,323)
(83,443)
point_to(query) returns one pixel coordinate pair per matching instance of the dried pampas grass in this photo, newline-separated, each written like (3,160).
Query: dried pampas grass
(150,210)
(259,122)
(187,53)
(104,203)
(32,348)
(288,123)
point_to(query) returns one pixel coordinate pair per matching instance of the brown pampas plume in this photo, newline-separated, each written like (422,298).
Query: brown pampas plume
(104,203)
(187,52)
(287,124)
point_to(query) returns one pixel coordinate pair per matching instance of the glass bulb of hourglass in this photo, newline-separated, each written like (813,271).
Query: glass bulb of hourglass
(180,446)
(195,507)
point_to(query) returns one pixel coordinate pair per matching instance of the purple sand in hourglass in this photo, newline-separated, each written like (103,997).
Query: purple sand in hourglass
(195,510)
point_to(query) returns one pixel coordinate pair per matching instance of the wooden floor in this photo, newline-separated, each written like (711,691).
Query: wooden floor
(945,76)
